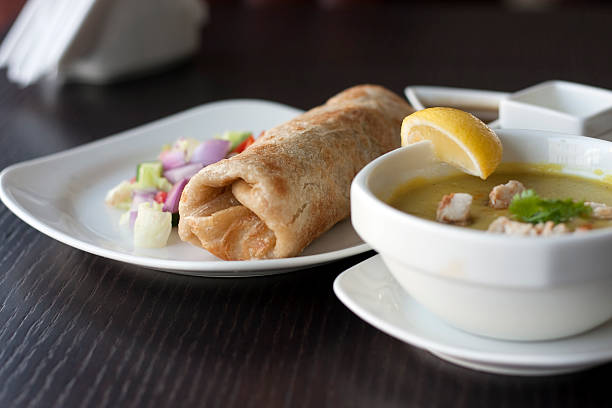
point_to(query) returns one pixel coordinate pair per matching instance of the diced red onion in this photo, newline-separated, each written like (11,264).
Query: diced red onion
(179,173)
(142,196)
(172,158)
(133,215)
(210,151)
(174,196)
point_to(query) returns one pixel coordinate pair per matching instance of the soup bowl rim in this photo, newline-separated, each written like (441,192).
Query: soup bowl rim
(361,182)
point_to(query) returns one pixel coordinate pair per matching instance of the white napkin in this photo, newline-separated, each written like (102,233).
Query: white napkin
(99,41)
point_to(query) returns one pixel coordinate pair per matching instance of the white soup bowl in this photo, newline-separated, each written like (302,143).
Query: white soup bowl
(513,288)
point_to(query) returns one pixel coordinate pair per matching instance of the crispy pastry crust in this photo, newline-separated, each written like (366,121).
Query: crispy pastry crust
(293,183)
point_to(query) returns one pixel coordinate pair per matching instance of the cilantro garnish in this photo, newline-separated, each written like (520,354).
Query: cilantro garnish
(529,207)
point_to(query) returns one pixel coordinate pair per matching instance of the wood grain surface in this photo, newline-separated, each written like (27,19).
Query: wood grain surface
(77,330)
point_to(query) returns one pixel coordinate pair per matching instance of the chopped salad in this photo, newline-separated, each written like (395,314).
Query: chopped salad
(151,198)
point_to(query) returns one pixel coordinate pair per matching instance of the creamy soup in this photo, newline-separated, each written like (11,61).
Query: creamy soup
(421,196)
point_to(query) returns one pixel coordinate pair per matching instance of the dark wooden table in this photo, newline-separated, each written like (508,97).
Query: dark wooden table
(81,330)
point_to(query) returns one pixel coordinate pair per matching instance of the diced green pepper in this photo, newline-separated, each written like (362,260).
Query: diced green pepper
(235,137)
(148,174)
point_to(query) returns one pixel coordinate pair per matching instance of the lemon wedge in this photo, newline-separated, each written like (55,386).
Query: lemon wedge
(459,139)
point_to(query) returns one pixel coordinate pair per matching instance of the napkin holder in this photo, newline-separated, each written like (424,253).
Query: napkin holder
(115,39)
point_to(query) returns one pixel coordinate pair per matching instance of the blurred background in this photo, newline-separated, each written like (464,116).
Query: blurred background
(10,8)
(301,52)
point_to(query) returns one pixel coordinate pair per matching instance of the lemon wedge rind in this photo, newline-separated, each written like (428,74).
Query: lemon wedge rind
(470,155)
(459,138)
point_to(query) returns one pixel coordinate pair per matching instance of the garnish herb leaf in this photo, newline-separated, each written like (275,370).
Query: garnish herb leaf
(529,207)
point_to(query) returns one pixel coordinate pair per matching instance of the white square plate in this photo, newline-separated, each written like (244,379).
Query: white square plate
(559,106)
(62,195)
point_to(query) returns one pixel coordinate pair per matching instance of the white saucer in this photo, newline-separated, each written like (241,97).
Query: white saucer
(369,290)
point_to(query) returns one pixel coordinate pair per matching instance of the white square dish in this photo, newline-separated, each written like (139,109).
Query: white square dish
(62,195)
(559,106)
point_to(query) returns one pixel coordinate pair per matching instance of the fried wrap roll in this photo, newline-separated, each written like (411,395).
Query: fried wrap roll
(293,183)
